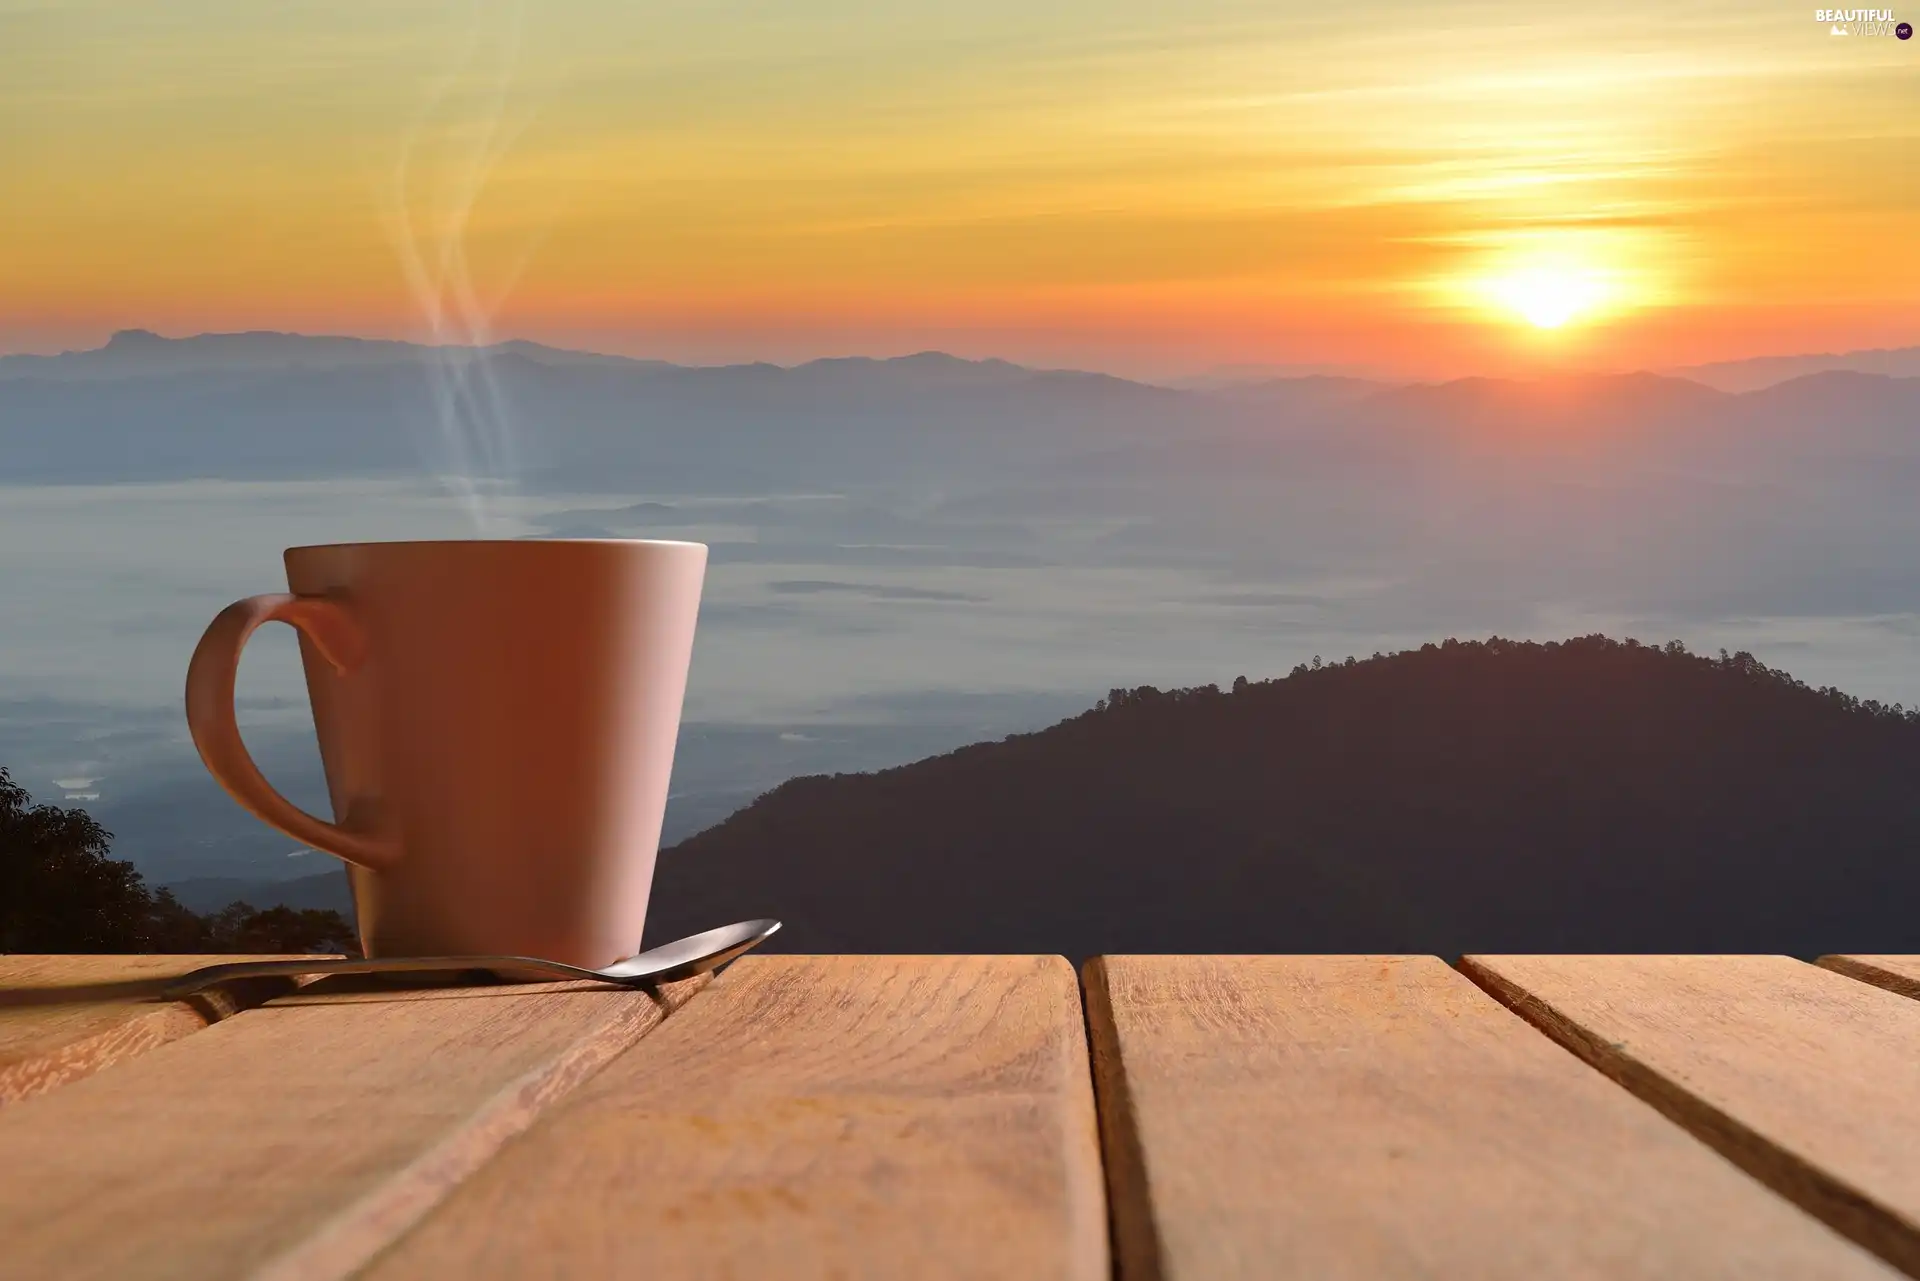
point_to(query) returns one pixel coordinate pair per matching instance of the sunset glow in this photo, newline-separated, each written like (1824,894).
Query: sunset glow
(1122,186)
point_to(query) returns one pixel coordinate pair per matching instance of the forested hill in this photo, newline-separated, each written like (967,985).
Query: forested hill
(1590,795)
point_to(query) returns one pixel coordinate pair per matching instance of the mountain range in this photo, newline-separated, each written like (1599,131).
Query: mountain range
(141,352)
(263,406)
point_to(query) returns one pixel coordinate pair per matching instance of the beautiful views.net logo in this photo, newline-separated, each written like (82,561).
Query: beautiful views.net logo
(1863,22)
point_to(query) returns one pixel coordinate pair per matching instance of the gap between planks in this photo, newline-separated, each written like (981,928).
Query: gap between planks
(298,1141)
(1354,1117)
(1798,1075)
(1898,974)
(814,1118)
(63,1018)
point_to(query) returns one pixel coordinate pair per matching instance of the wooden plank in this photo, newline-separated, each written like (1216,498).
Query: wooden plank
(810,1117)
(65,1017)
(1800,1076)
(299,1138)
(1345,1117)
(1895,973)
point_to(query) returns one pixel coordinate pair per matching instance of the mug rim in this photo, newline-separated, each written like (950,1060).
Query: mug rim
(499,542)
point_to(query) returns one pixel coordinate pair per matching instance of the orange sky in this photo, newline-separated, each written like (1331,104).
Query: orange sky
(1096,184)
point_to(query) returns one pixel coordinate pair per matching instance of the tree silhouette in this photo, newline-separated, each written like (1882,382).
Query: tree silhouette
(241,927)
(60,891)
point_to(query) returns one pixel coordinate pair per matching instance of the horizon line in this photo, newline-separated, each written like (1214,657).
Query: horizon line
(1241,373)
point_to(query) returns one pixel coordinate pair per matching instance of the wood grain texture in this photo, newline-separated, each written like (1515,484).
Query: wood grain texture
(845,1117)
(1346,1117)
(66,1017)
(298,1139)
(1804,1078)
(1895,973)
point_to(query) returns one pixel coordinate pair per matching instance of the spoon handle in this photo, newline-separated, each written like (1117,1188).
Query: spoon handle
(211,975)
(682,958)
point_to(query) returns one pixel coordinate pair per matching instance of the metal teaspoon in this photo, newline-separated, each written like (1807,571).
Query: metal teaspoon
(682,958)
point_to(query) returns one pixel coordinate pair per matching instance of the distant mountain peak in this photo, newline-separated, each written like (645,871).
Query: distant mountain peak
(142,352)
(125,338)
(1581,394)
(925,358)
(1759,372)
(1834,378)
(919,360)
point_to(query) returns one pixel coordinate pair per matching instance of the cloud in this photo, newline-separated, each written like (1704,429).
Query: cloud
(872,591)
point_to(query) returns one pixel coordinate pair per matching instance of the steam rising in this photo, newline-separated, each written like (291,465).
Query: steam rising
(446,157)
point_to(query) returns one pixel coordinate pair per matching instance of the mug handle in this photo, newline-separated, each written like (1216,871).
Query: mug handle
(210,682)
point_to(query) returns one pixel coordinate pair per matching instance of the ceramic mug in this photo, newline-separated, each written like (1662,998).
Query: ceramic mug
(497,721)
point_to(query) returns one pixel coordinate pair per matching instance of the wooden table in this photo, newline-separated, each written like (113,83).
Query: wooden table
(974,1116)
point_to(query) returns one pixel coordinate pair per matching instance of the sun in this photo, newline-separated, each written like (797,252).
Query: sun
(1555,282)
(1548,295)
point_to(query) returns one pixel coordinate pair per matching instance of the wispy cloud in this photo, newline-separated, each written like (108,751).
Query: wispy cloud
(758,179)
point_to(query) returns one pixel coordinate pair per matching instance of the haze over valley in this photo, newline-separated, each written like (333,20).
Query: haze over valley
(916,553)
